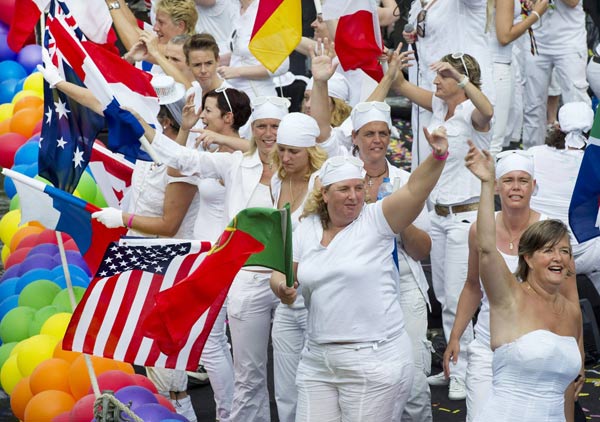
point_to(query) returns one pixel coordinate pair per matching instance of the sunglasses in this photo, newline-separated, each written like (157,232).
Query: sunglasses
(277,101)
(224,91)
(461,56)
(340,160)
(421,23)
(366,106)
(509,152)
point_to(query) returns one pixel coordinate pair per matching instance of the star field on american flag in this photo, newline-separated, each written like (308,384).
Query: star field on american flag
(153,259)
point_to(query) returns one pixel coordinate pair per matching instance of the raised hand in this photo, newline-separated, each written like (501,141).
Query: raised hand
(438,140)
(189,116)
(447,70)
(480,163)
(48,70)
(397,61)
(322,66)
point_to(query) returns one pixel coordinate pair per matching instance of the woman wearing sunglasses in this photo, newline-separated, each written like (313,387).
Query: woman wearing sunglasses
(246,178)
(535,328)
(357,364)
(465,112)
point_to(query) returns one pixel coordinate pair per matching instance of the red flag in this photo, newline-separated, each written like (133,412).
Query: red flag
(107,322)
(26,14)
(112,174)
(358,37)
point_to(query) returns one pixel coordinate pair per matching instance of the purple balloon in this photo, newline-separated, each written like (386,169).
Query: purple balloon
(45,248)
(3,28)
(38,260)
(13,271)
(135,396)
(6,53)
(153,412)
(75,258)
(30,56)
(176,417)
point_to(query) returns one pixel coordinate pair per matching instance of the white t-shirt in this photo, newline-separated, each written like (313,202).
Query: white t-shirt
(457,184)
(217,20)
(562,30)
(350,287)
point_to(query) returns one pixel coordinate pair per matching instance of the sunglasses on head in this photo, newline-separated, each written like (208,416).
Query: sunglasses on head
(224,91)
(381,106)
(461,56)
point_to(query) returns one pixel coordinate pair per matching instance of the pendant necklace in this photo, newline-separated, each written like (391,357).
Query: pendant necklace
(370,181)
(511,238)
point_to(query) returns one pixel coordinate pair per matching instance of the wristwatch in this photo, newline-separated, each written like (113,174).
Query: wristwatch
(114,5)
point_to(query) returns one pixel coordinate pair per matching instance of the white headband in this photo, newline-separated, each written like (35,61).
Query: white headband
(514,161)
(575,118)
(368,112)
(298,130)
(269,108)
(337,87)
(341,167)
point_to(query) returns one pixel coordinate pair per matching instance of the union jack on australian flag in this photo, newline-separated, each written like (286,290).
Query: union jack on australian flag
(69,129)
(108,320)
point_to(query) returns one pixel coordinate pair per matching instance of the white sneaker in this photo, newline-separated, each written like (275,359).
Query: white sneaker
(438,380)
(457,390)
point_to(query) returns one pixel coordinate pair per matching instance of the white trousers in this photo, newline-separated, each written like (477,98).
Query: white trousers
(571,73)
(288,336)
(593,77)
(504,86)
(360,382)
(167,380)
(216,358)
(479,377)
(250,306)
(587,260)
(449,261)
(414,308)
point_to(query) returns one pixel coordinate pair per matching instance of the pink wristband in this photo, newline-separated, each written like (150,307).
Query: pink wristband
(130,221)
(440,157)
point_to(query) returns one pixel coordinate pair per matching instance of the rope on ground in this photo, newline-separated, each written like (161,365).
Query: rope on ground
(107,408)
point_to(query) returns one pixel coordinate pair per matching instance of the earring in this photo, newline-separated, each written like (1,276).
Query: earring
(164,127)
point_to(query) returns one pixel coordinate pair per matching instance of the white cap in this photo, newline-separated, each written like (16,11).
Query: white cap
(575,118)
(514,160)
(337,87)
(341,167)
(367,112)
(167,89)
(269,108)
(298,130)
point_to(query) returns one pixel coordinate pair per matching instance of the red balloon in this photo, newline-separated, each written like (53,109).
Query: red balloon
(113,380)
(63,417)
(9,144)
(70,245)
(163,401)
(145,382)
(29,241)
(49,236)
(16,257)
(8,10)
(83,409)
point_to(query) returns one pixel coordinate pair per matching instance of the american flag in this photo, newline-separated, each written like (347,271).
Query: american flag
(69,129)
(107,322)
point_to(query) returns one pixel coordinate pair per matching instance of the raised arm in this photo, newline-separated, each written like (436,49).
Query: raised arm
(157,56)
(506,32)
(125,24)
(499,283)
(322,69)
(396,63)
(207,138)
(401,86)
(403,206)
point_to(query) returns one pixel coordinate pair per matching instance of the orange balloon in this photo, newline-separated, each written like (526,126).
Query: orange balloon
(51,374)
(5,126)
(22,233)
(24,121)
(19,397)
(31,101)
(125,367)
(43,407)
(65,354)
(79,379)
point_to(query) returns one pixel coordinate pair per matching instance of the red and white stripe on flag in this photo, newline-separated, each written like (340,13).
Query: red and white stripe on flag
(112,173)
(107,322)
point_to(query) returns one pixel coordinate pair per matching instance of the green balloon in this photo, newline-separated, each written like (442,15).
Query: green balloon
(5,350)
(41,179)
(62,301)
(14,203)
(87,187)
(38,294)
(40,317)
(99,201)
(14,327)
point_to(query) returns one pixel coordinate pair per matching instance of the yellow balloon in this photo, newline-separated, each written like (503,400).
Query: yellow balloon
(5,253)
(56,325)
(35,350)
(15,350)
(6,111)
(9,224)
(35,82)
(10,374)
(26,93)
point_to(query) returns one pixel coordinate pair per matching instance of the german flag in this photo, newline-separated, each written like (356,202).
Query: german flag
(277,31)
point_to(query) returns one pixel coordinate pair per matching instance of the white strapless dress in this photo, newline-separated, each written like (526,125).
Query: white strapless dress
(530,376)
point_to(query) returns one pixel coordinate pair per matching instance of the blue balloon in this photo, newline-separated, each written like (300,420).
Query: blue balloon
(10,69)
(75,281)
(20,84)
(31,276)
(8,304)
(36,139)
(27,154)
(7,89)
(13,271)
(9,186)
(74,271)
(6,53)
(3,28)
(30,56)
(8,287)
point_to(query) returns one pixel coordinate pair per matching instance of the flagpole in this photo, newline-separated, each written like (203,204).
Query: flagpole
(146,144)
